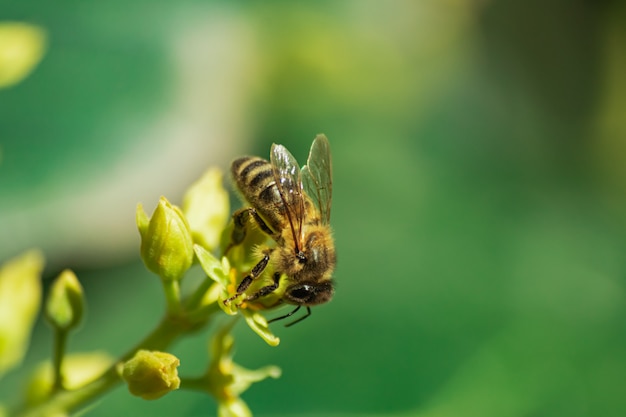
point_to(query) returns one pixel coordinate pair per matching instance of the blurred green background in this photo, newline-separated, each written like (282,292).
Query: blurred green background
(479,189)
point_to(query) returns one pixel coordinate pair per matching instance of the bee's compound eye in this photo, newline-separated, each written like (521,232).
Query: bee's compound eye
(301,293)
(309,294)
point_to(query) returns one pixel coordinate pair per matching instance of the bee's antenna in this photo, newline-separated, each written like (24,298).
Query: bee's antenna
(308,313)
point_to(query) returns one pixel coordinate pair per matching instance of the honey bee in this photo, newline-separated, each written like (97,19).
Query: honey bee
(292,207)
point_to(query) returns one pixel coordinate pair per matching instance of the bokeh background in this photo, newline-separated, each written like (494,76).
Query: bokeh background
(480,189)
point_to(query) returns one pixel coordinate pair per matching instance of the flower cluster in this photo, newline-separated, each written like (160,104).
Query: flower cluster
(173,240)
(171,237)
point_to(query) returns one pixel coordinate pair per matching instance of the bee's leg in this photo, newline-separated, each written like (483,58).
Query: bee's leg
(247,280)
(240,221)
(308,313)
(241,218)
(267,289)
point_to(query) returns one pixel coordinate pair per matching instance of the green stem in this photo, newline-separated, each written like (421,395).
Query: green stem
(159,339)
(172,296)
(201,314)
(194,384)
(60,342)
(194,300)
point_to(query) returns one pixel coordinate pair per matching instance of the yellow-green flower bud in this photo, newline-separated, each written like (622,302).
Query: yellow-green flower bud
(20,296)
(66,304)
(166,244)
(21,48)
(206,208)
(151,374)
(78,370)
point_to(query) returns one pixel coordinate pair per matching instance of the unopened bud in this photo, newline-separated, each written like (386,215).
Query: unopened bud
(66,304)
(206,207)
(20,296)
(151,374)
(78,370)
(22,46)
(166,244)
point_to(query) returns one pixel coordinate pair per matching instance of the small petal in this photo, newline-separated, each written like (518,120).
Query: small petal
(218,272)
(246,377)
(142,219)
(166,244)
(206,208)
(259,325)
(233,408)
(20,296)
(151,374)
(213,267)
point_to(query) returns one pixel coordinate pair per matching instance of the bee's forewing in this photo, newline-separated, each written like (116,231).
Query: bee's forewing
(317,176)
(288,179)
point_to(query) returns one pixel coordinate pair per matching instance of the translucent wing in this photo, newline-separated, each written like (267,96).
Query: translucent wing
(317,176)
(289,183)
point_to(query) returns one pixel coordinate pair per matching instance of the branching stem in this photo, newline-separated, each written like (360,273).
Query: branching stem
(160,338)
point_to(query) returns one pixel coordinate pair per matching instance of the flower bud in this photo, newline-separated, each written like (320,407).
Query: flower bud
(218,271)
(206,208)
(166,244)
(78,370)
(66,304)
(151,374)
(21,48)
(20,295)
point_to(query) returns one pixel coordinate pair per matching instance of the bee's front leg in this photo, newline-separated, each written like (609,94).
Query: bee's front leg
(267,289)
(254,274)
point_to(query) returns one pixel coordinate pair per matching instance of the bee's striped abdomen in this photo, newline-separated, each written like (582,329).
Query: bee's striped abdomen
(254,177)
